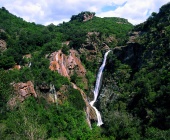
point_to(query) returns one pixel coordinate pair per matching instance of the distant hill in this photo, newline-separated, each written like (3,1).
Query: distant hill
(23,37)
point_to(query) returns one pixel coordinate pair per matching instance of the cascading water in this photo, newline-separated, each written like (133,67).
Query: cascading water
(53,91)
(29,65)
(97,88)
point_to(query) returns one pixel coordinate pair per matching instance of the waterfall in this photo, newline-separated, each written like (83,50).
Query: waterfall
(53,91)
(29,65)
(97,88)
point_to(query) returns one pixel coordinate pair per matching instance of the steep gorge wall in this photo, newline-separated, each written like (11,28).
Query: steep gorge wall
(131,55)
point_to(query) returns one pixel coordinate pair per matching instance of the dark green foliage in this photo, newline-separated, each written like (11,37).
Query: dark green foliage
(89,65)
(15,54)
(156,134)
(152,84)
(122,126)
(90,77)
(77,80)
(3,35)
(44,121)
(6,62)
(26,75)
(75,98)
(51,46)
(141,98)
(65,49)
(5,92)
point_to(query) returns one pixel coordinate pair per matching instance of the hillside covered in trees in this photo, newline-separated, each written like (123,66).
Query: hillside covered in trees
(48,74)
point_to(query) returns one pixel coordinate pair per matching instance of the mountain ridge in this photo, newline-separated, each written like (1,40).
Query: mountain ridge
(134,95)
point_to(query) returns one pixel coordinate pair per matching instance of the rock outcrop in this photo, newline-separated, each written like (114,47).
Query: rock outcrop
(57,97)
(133,37)
(83,16)
(91,46)
(88,16)
(130,54)
(60,94)
(22,91)
(67,65)
(94,45)
(3,45)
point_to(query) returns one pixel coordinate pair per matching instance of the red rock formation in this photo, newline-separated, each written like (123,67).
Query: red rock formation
(25,89)
(57,63)
(66,65)
(22,91)
(75,62)
(18,67)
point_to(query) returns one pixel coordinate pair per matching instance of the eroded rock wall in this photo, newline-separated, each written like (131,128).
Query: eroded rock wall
(67,65)
(21,92)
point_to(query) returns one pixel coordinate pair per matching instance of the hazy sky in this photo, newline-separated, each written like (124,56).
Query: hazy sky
(56,11)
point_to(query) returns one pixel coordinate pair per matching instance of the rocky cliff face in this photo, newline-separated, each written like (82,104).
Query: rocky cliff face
(130,54)
(22,91)
(88,16)
(67,65)
(93,46)
(53,96)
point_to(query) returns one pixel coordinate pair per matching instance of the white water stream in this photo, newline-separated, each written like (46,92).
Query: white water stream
(97,88)
(29,65)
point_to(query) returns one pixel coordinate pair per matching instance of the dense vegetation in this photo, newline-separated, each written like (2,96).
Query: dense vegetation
(116,27)
(138,107)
